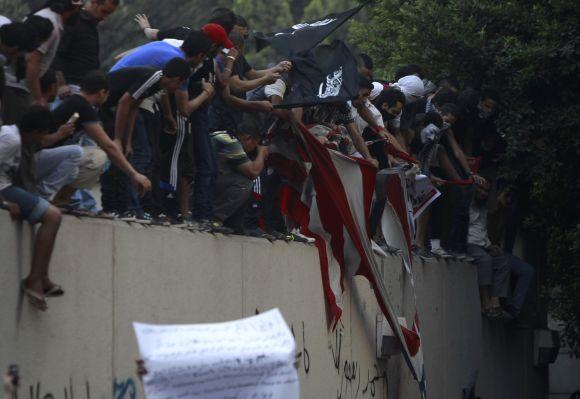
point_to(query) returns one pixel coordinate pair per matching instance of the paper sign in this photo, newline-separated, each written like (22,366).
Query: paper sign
(423,194)
(251,358)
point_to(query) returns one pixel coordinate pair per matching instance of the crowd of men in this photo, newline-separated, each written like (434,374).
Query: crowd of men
(174,134)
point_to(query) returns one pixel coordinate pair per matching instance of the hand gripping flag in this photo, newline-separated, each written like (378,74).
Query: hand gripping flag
(333,202)
(326,74)
(303,36)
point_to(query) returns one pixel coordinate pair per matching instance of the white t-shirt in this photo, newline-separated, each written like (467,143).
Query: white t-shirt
(50,47)
(361,124)
(4,20)
(9,154)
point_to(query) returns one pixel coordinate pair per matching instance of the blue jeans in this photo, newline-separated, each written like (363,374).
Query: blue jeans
(32,207)
(492,270)
(206,167)
(140,160)
(523,273)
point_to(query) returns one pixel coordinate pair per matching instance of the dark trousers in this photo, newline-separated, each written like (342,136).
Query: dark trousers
(459,220)
(114,183)
(522,273)
(140,160)
(206,166)
(272,185)
(233,193)
(153,201)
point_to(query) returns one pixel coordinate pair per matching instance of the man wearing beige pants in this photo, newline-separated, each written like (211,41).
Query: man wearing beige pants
(89,133)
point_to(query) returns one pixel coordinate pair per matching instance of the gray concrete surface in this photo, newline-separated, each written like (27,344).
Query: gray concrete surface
(115,273)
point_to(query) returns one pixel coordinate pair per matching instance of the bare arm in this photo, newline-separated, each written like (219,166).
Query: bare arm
(457,151)
(124,107)
(96,132)
(358,141)
(33,61)
(235,102)
(243,86)
(63,132)
(186,107)
(252,169)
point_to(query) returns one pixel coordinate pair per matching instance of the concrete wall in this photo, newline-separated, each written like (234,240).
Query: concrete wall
(115,273)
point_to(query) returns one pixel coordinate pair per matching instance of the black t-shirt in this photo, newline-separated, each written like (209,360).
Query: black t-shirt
(87,115)
(241,67)
(140,82)
(179,33)
(78,52)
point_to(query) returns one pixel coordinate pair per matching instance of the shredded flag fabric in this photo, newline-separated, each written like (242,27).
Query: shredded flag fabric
(332,201)
(326,74)
(304,36)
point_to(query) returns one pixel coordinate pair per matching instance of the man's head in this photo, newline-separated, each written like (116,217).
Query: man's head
(365,86)
(15,38)
(196,47)
(248,134)
(444,96)
(95,87)
(390,103)
(34,124)
(48,86)
(449,82)
(412,87)
(450,113)
(175,73)
(241,26)
(365,65)
(219,37)
(41,28)
(224,17)
(102,9)
(407,70)
(238,41)
(488,104)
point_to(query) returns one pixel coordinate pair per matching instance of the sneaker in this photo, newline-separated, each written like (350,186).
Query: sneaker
(144,218)
(469,258)
(161,220)
(297,233)
(441,253)
(457,255)
(424,254)
(181,221)
(259,233)
(279,235)
(128,216)
(215,227)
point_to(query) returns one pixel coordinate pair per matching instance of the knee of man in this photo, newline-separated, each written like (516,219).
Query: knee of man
(52,216)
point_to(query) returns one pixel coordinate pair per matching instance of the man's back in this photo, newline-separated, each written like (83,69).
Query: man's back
(154,54)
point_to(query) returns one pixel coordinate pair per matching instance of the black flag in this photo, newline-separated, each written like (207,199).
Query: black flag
(326,74)
(304,36)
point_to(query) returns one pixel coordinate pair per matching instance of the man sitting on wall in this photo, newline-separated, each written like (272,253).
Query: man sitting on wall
(34,125)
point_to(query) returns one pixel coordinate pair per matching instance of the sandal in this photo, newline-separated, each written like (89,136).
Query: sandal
(35,299)
(54,291)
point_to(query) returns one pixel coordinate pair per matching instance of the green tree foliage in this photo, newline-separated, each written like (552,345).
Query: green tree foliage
(530,52)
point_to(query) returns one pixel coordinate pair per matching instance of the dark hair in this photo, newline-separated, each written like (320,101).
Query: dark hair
(237,38)
(444,96)
(95,81)
(41,29)
(177,68)
(36,119)
(407,70)
(391,97)
(18,35)
(468,100)
(448,82)
(195,43)
(224,17)
(47,80)
(241,21)
(491,94)
(365,60)
(249,126)
(434,118)
(450,109)
(364,83)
